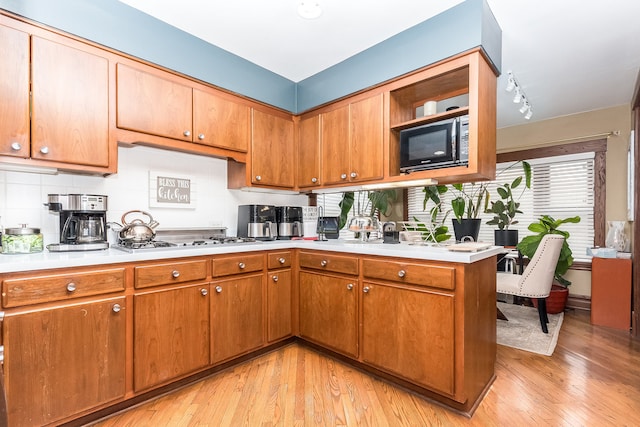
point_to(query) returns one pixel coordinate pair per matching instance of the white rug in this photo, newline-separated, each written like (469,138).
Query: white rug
(523,329)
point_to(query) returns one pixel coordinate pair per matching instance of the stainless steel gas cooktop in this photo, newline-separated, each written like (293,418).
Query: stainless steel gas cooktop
(186,238)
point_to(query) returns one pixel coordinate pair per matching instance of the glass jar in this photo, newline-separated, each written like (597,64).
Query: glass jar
(364,226)
(617,236)
(22,240)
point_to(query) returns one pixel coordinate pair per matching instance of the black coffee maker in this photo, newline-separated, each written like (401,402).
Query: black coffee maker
(257,221)
(289,220)
(82,222)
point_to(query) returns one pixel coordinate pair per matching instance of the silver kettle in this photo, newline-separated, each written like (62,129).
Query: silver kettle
(137,231)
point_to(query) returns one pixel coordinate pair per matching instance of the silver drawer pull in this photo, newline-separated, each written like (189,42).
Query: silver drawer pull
(71,287)
(353,174)
(274,278)
(281,260)
(218,289)
(343,176)
(350,286)
(16,146)
(323,263)
(402,273)
(201,136)
(366,289)
(116,308)
(204,292)
(314,180)
(175,274)
(241,265)
(187,133)
(258,177)
(44,150)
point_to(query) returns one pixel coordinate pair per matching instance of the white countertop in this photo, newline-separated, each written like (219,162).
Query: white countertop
(48,260)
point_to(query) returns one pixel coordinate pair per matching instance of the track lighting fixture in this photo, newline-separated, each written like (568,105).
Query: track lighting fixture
(519,97)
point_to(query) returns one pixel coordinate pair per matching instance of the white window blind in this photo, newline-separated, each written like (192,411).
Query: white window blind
(562,186)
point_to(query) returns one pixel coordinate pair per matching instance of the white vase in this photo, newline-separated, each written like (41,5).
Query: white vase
(617,236)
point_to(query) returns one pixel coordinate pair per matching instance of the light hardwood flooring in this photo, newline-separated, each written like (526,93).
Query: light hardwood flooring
(592,379)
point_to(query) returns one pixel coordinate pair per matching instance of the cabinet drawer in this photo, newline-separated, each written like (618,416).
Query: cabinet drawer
(237,264)
(411,273)
(55,287)
(279,260)
(174,272)
(326,262)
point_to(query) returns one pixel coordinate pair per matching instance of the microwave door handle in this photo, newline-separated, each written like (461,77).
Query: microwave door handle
(454,128)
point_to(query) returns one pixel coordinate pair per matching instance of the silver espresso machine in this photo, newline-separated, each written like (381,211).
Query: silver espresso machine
(82,222)
(258,222)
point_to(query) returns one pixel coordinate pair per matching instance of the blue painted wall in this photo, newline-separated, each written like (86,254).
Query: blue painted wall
(114,24)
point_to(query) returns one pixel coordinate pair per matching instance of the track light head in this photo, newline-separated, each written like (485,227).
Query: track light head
(525,105)
(511,82)
(529,114)
(517,98)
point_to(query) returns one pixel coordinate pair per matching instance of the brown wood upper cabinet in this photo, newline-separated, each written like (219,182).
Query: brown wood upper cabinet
(272,150)
(69,123)
(157,103)
(309,152)
(352,142)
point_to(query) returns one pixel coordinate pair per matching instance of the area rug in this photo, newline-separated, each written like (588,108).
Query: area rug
(523,329)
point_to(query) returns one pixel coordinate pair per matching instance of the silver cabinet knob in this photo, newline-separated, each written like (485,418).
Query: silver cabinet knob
(281,260)
(16,146)
(71,287)
(353,175)
(175,274)
(116,308)
(201,136)
(402,273)
(343,176)
(258,178)
(187,133)
(274,278)
(314,180)
(323,263)
(241,265)
(366,289)
(44,150)
(350,286)
(204,292)
(218,289)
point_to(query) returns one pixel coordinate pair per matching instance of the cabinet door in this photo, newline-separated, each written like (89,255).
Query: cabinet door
(171,334)
(61,361)
(410,332)
(272,150)
(151,104)
(328,311)
(309,152)
(237,320)
(278,304)
(220,122)
(70,104)
(14,92)
(335,146)
(366,139)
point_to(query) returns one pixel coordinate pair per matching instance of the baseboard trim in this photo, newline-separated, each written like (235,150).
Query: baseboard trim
(579,302)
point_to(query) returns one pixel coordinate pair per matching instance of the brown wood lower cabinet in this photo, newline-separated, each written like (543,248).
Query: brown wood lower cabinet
(279,307)
(237,320)
(171,334)
(64,360)
(329,311)
(409,332)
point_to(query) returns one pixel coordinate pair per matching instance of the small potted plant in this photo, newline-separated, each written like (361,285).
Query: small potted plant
(470,200)
(506,208)
(546,224)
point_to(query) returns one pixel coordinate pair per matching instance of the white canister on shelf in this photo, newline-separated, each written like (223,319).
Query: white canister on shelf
(430,108)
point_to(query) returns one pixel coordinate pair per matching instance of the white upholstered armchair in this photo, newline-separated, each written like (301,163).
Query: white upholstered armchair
(537,278)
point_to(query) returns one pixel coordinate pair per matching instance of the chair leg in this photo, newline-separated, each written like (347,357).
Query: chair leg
(542,313)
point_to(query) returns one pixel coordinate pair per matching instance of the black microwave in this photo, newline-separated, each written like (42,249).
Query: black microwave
(435,145)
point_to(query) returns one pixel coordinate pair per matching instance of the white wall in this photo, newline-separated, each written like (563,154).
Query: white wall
(22,195)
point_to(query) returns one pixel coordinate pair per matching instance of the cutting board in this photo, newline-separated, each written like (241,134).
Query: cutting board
(469,247)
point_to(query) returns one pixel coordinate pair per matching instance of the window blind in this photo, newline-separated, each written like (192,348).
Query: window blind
(562,186)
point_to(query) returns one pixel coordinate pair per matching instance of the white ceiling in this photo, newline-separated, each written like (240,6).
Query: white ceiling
(569,56)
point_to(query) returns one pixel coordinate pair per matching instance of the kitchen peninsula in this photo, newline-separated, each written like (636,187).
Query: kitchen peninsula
(420,317)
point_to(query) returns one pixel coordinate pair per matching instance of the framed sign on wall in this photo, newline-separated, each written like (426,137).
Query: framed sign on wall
(167,190)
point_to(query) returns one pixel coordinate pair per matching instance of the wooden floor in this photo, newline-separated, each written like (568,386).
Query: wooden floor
(592,379)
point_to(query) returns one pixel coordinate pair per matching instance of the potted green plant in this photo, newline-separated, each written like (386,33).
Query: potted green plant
(546,224)
(470,200)
(506,208)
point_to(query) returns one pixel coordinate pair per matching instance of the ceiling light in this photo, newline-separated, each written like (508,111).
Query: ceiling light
(525,106)
(529,114)
(517,98)
(511,83)
(309,9)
